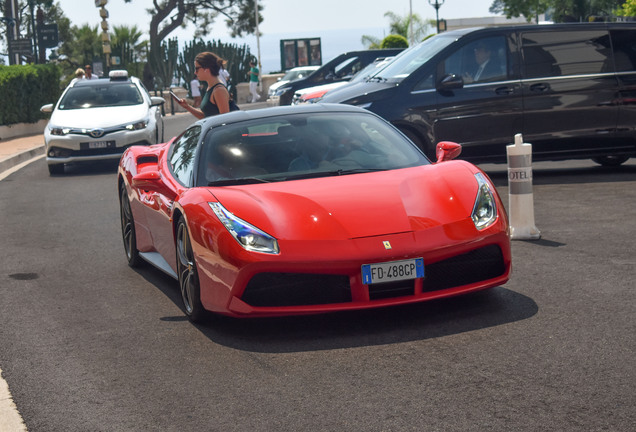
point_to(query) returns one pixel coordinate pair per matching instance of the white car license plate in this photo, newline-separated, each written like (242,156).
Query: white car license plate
(100,144)
(393,271)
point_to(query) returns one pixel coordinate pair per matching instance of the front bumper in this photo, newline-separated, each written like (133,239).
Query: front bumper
(83,148)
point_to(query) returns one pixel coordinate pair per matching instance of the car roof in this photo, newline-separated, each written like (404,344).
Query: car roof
(102,81)
(283,110)
(538,27)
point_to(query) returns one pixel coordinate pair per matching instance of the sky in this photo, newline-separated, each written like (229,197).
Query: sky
(339,23)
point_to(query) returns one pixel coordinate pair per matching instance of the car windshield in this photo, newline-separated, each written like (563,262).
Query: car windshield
(300,146)
(101,95)
(295,74)
(410,60)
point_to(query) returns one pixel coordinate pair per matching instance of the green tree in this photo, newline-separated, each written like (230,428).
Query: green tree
(562,10)
(394,41)
(627,9)
(128,45)
(83,46)
(168,15)
(400,25)
(531,9)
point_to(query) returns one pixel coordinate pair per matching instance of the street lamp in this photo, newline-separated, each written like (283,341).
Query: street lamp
(436,4)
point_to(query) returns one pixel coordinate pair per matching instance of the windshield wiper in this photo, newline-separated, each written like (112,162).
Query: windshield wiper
(333,173)
(376,79)
(238,181)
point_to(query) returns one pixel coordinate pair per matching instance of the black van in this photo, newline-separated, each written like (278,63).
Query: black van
(569,88)
(340,68)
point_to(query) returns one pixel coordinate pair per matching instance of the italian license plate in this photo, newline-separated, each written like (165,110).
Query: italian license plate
(101,144)
(393,271)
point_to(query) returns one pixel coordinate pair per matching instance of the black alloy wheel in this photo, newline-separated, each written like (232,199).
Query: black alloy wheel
(188,275)
(128,228)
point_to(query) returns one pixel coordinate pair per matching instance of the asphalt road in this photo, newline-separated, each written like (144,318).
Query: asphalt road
(89,344)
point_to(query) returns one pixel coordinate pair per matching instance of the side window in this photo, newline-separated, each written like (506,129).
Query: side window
(624,42)
(348,67)
(483,60)
(554,53)
(182,156)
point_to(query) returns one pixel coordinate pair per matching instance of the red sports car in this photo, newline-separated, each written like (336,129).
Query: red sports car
(309,209)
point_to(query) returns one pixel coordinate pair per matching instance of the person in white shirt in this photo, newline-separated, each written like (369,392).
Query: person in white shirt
(88,69)
(224,75)
(195,89)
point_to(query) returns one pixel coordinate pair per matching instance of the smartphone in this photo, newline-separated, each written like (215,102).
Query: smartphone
(177,98)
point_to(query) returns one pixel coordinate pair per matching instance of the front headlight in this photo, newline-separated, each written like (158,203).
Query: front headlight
(281,90)
(248,236)
(485,209)
(138,125)
(59,130)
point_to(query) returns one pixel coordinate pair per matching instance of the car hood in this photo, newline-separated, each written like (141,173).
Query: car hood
(90,118)
(356,93)
(356,206)
(278,84)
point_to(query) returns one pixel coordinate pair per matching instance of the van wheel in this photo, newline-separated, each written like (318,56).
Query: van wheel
(610,160)
(430,152)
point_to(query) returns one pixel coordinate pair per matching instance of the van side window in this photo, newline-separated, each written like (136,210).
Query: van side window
(562,53)
(624,42)
(483,60)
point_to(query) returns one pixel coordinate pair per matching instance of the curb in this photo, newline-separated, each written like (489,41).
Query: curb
(11,161)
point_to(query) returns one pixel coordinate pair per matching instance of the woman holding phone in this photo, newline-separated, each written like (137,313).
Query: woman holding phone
(216,99)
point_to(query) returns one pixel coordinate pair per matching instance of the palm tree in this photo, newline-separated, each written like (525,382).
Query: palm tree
(400,26)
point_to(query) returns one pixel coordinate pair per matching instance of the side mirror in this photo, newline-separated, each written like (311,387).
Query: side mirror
(151,181)
(48,108)
(451,82)
(157,101)
(447,150)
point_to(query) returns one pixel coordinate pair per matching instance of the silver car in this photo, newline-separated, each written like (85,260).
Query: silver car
(99,119)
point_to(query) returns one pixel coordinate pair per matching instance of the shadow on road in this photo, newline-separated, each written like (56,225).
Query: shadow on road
(432,319)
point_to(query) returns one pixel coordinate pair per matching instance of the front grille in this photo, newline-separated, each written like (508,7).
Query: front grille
(66,153)
(296,289)
(391,289)
(475,266)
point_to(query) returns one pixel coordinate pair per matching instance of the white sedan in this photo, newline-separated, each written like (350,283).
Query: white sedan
(99,119)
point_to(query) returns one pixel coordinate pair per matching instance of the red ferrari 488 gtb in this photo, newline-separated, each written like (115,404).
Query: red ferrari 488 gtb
(309,209)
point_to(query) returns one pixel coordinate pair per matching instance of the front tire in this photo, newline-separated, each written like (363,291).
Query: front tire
(188,275)
(128,234)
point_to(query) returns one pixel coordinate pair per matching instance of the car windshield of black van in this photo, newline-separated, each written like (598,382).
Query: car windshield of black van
(410,60)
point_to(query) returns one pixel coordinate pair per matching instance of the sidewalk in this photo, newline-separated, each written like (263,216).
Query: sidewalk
(14,151)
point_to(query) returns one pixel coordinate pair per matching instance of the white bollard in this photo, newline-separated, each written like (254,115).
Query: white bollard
(521,198)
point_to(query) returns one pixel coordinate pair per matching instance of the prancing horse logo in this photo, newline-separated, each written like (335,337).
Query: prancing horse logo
(387,244)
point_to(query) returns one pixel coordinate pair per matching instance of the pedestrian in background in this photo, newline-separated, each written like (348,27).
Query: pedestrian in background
(89,73)
(224,75)
(195,89)
(253,75)
(216,99)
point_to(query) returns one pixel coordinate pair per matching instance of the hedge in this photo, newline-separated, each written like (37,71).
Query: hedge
(24,89)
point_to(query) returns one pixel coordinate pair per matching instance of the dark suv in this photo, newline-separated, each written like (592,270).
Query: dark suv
(569,88)
(341,68)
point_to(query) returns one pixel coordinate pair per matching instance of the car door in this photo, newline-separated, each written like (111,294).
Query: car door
(569,91)
(159,208)
(624,48)
(479,103)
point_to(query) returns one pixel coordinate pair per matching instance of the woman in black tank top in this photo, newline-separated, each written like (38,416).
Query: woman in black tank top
(216,99)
